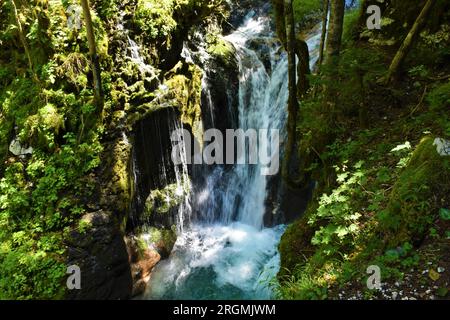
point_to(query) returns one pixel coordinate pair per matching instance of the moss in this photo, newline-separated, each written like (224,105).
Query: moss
(295,246)
(164,200)
(161,239)
(185,94)
(222,50)
(413,205)
(155,18)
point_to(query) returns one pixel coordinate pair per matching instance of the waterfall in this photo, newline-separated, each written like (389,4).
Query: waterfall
(262,101)
(227,253)
(183,184)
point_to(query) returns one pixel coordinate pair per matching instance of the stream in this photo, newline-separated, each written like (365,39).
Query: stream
(227,253)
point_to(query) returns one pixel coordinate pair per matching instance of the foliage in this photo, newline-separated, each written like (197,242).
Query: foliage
(374,211)
(43,194)
(439,97)
(307,11)
(155,17)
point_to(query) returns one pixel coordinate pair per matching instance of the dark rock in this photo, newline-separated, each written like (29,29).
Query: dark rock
(101,254)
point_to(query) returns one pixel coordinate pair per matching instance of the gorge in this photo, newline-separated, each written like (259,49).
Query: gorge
(313,148)
(225,250)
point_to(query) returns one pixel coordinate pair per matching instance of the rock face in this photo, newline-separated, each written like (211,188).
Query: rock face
(97,247)
(142,260)
(156,90)
(17,149)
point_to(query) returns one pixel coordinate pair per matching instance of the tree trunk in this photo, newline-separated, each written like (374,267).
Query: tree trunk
(362,15)
(293,102)
(326,9)
(280,22)
(93,55)
(303,69)
(335,29)
(24,41)
(409,41)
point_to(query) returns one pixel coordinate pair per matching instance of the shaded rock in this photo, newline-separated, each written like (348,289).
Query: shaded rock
(98,248)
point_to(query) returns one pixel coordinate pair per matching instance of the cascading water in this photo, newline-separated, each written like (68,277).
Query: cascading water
(227,253)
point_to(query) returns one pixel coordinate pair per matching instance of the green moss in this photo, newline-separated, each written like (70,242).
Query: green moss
(155,17)
(412,208)
(295,246)
(164,200)
(222,50)
(439,97)
(161,239)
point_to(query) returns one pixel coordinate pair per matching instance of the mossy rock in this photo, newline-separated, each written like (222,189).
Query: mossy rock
(161,239)
(223,51)
(417,195)
(185,93)
(295,246)
(162,201)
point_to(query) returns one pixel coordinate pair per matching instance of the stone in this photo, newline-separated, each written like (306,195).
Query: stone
(17,149)
(434,275)
(442,146)
(100,252)
(142,259)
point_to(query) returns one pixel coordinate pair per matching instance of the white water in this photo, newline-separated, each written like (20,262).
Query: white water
(228,254)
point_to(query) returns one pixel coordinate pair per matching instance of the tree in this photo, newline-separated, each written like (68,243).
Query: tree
(278,6)
(326,9)
(24,42)
(409,41)
(292,102)
(336,25)
(98,94)
(303,69)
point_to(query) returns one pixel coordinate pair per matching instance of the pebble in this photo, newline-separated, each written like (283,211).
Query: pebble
(440,269)
(394,295)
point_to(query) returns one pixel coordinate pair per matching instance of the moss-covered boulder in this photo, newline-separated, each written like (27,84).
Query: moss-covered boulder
(164,200)
(223,51)
(421,190)
(161,239)
(295,246)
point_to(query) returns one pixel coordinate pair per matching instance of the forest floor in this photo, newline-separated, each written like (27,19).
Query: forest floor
(406,117)
(382,199)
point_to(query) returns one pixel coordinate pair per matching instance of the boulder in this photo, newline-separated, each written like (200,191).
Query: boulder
(97,247)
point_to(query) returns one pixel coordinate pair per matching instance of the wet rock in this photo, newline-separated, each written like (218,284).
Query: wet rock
(142,260)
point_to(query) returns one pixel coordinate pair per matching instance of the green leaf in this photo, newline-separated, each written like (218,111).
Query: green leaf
(401,147)
(444,214)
